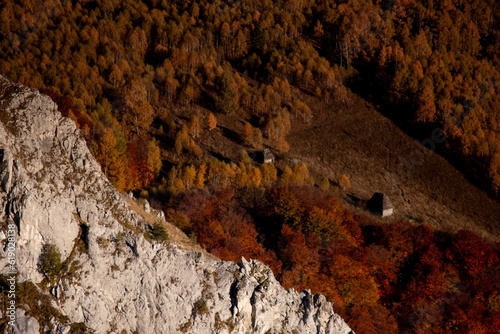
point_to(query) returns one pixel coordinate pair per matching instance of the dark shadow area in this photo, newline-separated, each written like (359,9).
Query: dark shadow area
(367,85)
(220,157)
(233,135)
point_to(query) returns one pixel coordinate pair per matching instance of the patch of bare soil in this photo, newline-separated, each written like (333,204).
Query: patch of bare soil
(377,156)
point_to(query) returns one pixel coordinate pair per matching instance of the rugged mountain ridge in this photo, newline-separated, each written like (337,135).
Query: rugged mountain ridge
(116,281)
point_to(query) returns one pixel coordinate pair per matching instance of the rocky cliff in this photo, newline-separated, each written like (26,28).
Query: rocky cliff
(113,280)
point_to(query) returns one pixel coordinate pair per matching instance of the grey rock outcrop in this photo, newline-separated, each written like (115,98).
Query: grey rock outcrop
(115,280)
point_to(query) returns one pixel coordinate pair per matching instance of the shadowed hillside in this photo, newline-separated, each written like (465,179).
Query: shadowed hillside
(356,140)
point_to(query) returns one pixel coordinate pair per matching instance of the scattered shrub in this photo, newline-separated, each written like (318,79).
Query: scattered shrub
(158,232)
(50,263)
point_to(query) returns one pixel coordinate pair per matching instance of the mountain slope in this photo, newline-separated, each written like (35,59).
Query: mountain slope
(113,279)
(378,156)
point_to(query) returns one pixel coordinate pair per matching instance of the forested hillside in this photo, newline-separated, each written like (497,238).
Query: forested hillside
(116,67)
(155,85)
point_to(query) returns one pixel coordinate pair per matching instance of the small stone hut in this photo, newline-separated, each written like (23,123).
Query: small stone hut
(268,156)
(381,204)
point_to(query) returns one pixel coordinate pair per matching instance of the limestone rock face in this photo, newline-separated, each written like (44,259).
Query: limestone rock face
(115,280)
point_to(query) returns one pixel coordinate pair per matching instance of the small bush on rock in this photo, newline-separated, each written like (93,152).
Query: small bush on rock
(50,263)
(158,232)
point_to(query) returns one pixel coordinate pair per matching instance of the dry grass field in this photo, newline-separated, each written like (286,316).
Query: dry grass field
(356,140)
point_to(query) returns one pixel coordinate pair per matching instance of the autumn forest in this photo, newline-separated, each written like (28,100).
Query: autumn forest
(151,84)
